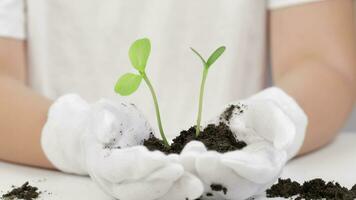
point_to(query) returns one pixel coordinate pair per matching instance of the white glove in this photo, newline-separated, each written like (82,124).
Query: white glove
(70,119)
(273,126)
(103,140)
(131,172)
(67,121)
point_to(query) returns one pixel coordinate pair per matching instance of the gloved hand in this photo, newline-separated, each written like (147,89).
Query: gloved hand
(273,126)
(103,139)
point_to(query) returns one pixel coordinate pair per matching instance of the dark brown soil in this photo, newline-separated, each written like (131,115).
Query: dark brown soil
(313,189)
(232,110)
(227,115)
(153,143)
(284,188)
(214,137)
(353,189)
(218,188)
(26,191)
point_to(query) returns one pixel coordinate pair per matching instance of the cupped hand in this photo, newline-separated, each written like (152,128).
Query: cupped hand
(117,161)
(105,140)
(273,130)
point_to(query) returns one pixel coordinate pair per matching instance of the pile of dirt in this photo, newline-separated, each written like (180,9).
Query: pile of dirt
(26,192)
(313,189)
(215,137)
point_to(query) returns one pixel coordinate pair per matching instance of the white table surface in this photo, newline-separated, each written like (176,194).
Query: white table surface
(336,162)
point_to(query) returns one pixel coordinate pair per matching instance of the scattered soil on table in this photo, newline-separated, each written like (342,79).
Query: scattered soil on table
(313,189)
(26,191)
(215,137)
(284,188)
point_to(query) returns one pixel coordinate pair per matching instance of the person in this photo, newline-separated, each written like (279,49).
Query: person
(51,48)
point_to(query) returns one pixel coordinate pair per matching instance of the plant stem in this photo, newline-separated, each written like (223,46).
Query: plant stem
(201,96)
(158,115)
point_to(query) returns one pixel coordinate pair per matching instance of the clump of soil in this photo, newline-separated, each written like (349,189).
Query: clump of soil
(153,143)
(353,189)
(218,188)
(215,137)
(313,189)
(26,192)
(284,188)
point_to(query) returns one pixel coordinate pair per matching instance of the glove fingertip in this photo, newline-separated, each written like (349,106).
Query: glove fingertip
(194,146)
(187,187)
(68,102)
(193,185)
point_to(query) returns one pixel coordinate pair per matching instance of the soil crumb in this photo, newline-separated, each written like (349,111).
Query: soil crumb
(218,188)
(26,192)
(313,189)
(215,137)
(284,188)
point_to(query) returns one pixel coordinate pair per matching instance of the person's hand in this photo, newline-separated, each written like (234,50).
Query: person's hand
(126,170)
(67,122)
(272,125)
(103,139)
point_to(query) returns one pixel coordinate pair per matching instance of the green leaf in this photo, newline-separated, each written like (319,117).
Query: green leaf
(139,53)
(128,84)
(214,56)
(198,54)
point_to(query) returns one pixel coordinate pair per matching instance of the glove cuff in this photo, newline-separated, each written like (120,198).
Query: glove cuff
(291,108)
(61,135)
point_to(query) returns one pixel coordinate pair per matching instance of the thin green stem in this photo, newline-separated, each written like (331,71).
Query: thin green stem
(201,96)
(158,115)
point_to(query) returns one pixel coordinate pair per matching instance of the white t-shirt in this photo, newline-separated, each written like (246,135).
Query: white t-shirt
(82,46)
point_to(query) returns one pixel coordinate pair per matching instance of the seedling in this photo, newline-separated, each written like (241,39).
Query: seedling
(206,64)
(129,82)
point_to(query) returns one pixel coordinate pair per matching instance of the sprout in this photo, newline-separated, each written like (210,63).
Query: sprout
(129,82)
(206,64)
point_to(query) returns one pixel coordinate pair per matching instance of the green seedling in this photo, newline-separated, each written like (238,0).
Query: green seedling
(206,64)
(129,82)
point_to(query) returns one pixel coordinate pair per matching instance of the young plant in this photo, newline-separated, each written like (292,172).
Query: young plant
(206,64)
(129,82)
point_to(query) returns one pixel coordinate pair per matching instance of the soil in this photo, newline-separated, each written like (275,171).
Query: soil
(218,188)
(227,115)
(26,192)
(353,189)
(215,137)
(313,189)
(232,110)
(221,139)
(284,188)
